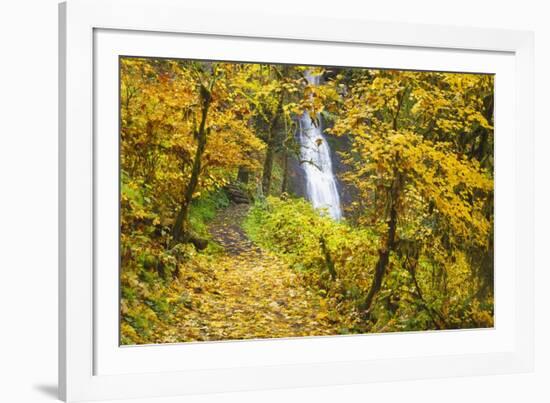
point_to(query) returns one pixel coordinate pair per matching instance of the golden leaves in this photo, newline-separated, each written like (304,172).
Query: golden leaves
(433,171)
(242,293)
(420,148)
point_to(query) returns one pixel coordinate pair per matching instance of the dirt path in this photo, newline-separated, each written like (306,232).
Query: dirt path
(253,294)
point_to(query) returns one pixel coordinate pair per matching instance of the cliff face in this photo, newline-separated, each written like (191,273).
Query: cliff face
(296,178)
(338,145)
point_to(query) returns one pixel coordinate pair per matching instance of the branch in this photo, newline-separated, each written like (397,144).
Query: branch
(310,162)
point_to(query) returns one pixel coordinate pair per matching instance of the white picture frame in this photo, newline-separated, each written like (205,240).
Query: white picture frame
(91,364)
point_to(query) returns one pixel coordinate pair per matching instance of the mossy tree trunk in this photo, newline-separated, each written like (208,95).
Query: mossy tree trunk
(180,231)
(271,148)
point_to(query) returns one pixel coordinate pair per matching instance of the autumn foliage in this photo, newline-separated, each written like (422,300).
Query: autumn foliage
(217,242)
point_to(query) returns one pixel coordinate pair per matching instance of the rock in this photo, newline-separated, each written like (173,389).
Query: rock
(236,194)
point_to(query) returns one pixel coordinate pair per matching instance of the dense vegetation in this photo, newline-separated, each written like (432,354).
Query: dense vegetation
(216,243)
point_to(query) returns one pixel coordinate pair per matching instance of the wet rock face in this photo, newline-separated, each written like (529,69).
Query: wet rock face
(296,178)
(348,193)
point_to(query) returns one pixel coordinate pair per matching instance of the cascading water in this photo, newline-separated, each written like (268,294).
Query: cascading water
(315,153)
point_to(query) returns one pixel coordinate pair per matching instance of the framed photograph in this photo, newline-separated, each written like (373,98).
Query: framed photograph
(245,208)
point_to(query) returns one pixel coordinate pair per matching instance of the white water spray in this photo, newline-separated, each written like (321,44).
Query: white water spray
(315,153)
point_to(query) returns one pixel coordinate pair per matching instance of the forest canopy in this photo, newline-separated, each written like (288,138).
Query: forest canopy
(264,200)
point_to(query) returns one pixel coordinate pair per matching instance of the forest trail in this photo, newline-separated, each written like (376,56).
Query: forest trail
(253,294)
(196,135)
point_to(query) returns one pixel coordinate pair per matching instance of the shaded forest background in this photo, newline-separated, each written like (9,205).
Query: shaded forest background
(218,241)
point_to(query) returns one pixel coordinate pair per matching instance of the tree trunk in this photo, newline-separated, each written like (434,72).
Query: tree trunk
(180,230)
(382,264)
(243,175)
(268,166)
(270,152)
(384,253)
(328,259)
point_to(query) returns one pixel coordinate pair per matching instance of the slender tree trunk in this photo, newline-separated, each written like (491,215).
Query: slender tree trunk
(270,152)
(384,253)
(383,260)
(328,259)
(243,175)
(268,165)
(180,226)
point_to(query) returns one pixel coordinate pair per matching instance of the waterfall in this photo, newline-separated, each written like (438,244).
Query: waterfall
(315,153)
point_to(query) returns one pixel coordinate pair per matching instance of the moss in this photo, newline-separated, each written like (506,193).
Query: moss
(203,210)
